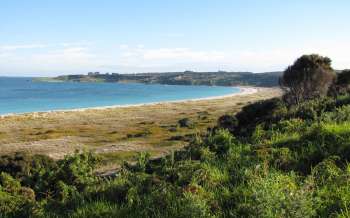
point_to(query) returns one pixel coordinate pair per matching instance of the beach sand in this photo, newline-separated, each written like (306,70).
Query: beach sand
(119,132)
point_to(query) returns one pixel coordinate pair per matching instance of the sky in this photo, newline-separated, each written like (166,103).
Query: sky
(55,37)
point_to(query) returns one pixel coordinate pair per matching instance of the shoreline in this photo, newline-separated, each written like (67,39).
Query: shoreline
(244,90)
(120,132)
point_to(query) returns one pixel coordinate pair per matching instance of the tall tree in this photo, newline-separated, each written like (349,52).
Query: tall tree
(343,78)
(309,77)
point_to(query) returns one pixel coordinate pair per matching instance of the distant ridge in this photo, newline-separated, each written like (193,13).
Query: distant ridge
(220,78)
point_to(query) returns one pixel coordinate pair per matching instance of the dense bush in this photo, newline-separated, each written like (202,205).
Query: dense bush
(15,200)
(245,121)
(228,122)
(185,122)
(309,77)
(342,84)
(22,166)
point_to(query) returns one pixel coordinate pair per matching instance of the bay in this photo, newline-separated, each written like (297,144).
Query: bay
(21,95)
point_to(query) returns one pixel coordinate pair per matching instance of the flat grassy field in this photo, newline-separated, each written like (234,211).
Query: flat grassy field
(117,134)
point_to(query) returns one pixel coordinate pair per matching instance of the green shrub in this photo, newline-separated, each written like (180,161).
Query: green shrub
(332,195)
(24,166)
(220,142)
(15,200)
(97,209)
(228,122)
(279,195)
(261,112)
(77,170)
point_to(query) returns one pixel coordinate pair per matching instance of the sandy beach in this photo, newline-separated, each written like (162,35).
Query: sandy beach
(119,132)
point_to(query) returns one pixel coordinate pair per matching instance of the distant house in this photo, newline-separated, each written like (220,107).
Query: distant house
(93,73)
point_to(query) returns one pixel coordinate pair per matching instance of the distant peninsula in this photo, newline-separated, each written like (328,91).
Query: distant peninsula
(219,78)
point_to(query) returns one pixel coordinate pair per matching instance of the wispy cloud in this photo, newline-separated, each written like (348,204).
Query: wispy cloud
(50,58)
(257,60)
(22,46)
(68,59)
(171,54)
(124,46)
(175,35)
(68,54)
(75,44)
(186,58)
(14,47)
(182,54)
(77,57)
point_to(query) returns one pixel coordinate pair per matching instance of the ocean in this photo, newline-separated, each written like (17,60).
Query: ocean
(21,95)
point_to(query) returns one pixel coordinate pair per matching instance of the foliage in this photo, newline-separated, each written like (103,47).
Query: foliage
(309,77)
(21,165)
(228,122)
(15,200)
(342,84)
(245,121)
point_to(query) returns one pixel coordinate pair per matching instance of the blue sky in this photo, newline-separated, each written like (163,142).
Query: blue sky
(41,37)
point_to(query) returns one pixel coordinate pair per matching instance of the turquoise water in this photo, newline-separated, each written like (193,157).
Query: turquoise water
(20,95)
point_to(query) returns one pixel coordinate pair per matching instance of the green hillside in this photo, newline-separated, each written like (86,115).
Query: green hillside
(221,78)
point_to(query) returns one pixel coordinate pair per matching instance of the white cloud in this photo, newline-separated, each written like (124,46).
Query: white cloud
(82,57)
(182,54)
(257,60)
(171,54)
(140,46)
(175,35)
(74,44)
(55,59)
(174,59)
(23,46)
(69,57)
(4,54)
(14,47)
(123,46)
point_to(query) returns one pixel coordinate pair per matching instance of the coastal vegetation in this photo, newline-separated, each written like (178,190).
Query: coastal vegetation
(282,157)
(220,78)
(308,78)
